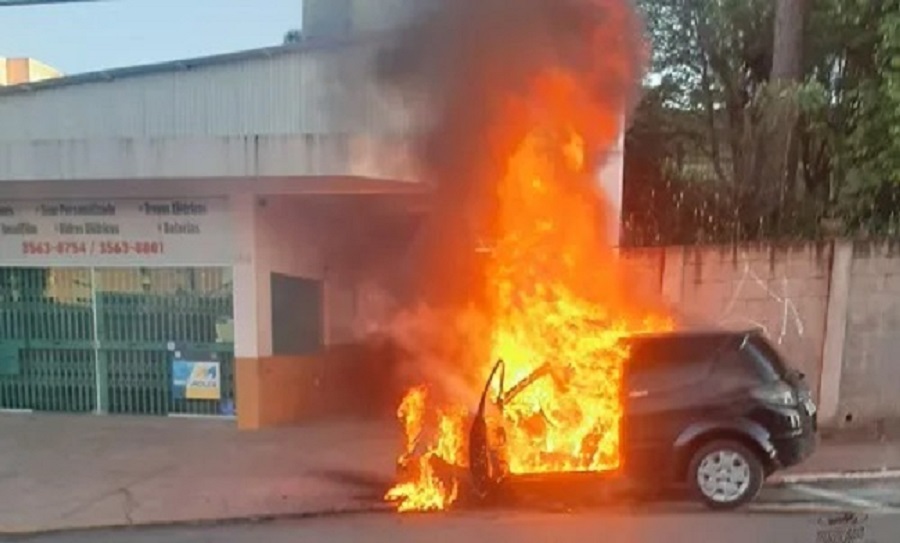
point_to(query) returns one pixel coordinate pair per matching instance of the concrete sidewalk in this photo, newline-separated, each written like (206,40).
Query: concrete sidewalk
(59,472)
(837,457)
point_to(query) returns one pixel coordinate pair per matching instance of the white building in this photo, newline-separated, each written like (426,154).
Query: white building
(197,211)
(209,180)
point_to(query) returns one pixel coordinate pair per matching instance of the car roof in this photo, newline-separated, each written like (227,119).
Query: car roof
(695,333)
(677,344)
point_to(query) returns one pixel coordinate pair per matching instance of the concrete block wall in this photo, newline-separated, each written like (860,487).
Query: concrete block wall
(643,270)
(782,290)
(870,373)
(833,309)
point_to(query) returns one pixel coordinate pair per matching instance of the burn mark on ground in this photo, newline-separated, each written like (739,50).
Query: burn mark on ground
(368,486)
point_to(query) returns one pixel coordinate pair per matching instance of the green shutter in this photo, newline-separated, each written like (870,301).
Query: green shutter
(50,353)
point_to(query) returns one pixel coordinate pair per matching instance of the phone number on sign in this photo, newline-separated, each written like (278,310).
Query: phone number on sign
(93,248)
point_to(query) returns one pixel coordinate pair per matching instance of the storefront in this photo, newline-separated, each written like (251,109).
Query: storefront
(163,226)
(101,299)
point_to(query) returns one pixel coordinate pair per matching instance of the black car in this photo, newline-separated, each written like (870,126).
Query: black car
(714,411)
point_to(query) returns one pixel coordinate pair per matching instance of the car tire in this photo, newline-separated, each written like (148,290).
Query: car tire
(725,474)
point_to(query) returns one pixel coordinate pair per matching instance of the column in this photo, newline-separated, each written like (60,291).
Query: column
(246,316)
(835,330)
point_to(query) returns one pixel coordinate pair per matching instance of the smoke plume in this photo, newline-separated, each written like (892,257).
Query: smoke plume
(465,62)
(475,67)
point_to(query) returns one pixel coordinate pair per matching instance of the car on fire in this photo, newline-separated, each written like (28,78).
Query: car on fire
(716,412)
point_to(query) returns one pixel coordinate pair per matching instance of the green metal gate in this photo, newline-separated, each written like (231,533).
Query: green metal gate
(81,340)
(48,356)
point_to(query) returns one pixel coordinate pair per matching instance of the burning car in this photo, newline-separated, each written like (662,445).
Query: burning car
(715,411)
(529,112)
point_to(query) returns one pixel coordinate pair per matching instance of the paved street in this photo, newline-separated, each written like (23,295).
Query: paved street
(609,526)
(64,472)
(846,511)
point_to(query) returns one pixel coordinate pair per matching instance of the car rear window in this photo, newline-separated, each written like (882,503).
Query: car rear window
(769,363)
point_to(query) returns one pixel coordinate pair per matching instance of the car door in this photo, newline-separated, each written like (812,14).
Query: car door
(664,391)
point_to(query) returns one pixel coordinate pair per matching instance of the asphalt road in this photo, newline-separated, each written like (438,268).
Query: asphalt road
(838,512)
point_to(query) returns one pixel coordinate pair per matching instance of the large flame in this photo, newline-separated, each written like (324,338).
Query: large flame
(425,490)
(558,299)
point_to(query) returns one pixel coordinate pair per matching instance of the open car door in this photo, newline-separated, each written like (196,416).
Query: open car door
(486,471)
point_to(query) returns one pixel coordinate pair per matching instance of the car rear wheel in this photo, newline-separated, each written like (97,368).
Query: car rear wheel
(726,474)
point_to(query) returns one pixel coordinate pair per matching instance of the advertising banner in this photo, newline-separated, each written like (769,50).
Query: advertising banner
(196,376)
(116,232)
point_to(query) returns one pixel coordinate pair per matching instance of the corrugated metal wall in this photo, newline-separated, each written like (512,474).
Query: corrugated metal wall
(317,91)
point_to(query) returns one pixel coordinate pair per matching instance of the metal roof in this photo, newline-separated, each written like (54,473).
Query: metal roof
(308,45)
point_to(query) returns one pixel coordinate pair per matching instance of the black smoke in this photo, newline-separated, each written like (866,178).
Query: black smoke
(462,62)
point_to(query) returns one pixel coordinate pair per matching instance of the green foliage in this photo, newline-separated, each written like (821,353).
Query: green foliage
(869,196)
(693,139)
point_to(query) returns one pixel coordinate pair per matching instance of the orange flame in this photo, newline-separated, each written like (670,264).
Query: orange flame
(558,298)
(426,490)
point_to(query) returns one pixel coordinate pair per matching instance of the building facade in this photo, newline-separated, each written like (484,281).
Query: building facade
(192,212)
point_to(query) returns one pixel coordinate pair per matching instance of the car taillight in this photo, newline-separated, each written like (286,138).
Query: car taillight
(777,393)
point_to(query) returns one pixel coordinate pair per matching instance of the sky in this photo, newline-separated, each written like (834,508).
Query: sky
(90,36)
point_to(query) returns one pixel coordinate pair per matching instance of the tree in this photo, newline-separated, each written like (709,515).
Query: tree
(789,111)
(871,194)
(787,55)
(776,158)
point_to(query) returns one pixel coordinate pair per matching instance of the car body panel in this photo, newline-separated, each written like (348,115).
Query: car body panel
(682,390)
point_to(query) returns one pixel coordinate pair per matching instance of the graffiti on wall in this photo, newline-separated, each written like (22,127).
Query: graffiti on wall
(777,292)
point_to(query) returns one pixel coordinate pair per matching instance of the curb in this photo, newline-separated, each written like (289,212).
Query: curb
(25,534)
(825,476)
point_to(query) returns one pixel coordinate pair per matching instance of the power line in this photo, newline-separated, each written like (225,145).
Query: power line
(10,3)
